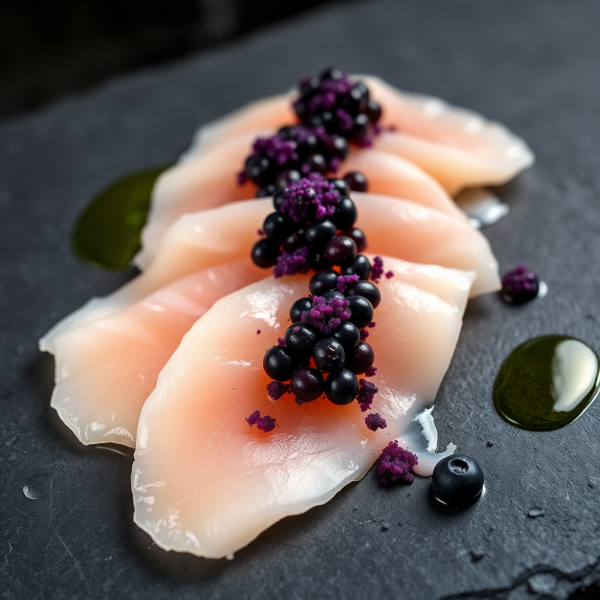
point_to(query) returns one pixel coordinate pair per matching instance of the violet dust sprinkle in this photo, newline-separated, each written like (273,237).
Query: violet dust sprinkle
(276,389)
(396,463)
(266,423)
(371,324)
(253,418)
(276,148)
(292,263)
(389,274)
(371,372)
(364,334)
(299,401)
(281,341)
(375,421)
(366,393)
(377,269)
(311,197)
(344,280)
(325,314)
(258,332)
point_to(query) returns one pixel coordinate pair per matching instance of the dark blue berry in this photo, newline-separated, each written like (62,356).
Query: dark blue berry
(265,253)
(457,480)
(373,111)
(357,100)
(333,294)
(301,109)
(367,290)
(278,199)
(294,241)
(317,261)
(298,308)
(257,169)
(322,282)
(339,147)
(357,181)
(265,191)
(301,338)
(360,358)
(319,233)
(309,86)
(345,214)
(340,250)
(286,177)
(331,73)
(359,266)
(309,145)
(329,354)
(340,185)
(317,164)
(362,311)
(279,363)
(278,226)
(347,334)
(359,237)
(307,384)
(360,131)
(341,387)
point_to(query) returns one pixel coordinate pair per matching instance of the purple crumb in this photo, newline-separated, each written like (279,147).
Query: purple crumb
(265,423)
(325,314)
(389,274)
(377,269)
(291,263)
(375,421)
(364,334)
(253,418)
(260,232)
(311,197)
(371,324)
(370,372)
(396,463)
(242,178)
(366,393)
(276,389)
(520,285)
(281,341)
(344,280)
(258,332)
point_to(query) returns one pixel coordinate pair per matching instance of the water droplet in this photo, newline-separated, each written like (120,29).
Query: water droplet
(482,207)
(37,486)
(534,513)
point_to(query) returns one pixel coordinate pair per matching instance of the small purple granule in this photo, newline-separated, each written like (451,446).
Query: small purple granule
(281,341)
(371,324)
(313,197)
(326,315)
(265,423)
(343,281)
(371,372)
(292,263)
(364,334)
(375,421)
(258,332)
(276,389)
(260,232)
(520,285)
(366,393)
(389,274)
(396,463)
(377,269)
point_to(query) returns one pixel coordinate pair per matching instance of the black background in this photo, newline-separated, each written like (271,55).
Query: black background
(530,65)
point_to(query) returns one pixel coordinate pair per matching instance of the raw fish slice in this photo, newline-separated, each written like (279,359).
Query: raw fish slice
(394,227)
(203,182)
(106,369)
(205,482)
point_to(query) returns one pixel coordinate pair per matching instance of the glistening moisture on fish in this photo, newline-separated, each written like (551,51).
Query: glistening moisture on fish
(304,274)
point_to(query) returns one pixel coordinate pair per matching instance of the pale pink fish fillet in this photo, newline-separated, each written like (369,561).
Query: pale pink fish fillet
(456,146)
(209,180)
(205,482)
(106,369)
(395,227)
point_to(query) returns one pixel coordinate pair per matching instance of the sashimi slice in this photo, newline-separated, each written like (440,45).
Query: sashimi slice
(106,369)
(394,227)
(209,180)
(205,482)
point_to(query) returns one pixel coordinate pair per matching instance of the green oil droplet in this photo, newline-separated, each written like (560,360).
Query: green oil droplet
(107,233)
(547,382)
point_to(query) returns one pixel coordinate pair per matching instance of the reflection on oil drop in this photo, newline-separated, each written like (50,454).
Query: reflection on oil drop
(37,486)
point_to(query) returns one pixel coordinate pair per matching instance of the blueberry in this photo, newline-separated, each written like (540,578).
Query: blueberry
(357,181)
(341,387)
(278,199)
(301,338)
(357,100)
(347,334)
(309,86)
(317,163)
(307,384)
(340,250)
(457,480)
(373,111)
(333,294)
(322,282)
(286,177)
(278,226)
(309,145)
(360,131)
(362,311)
(257,169)
(279,363)
(359,237)
(331,73)
(301,109)
(367,290)
(319,233)
(339,147)
(265,253)
(287,131)
(359,266)
(345,214)
(298,308)
(360,358)
(294,241)
(329,354)
(317,261)
(340,186)
(265,191)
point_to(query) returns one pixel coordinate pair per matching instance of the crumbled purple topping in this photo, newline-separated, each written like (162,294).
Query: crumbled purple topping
(366,393)
(281,341)
(520,285)
(291,263)
(343,281)
(325,314)
(276,389)
(277,148)
(375,421)
(377,269)
(364,334)
(260,232)
(242,178)
(396,463)
(265,423)
(258,332)
(371,324)
(371,372)
(311,197)
(389,274)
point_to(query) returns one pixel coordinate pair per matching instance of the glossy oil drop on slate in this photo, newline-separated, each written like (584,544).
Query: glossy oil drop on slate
(547,382)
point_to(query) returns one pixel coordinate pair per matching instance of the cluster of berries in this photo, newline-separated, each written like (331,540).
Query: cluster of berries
(339,105)
(313,228)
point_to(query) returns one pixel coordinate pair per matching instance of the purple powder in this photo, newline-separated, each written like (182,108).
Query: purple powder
(366,393)
(325,314)
(396,463)
(375,421)
(281,341)
(253,418)
(520,285)
(371,372)
(389,274)
(276,389)
(292,263)
(265,423)
(343,281)
(377,269)
(312,197)
(276,148)
(364,334)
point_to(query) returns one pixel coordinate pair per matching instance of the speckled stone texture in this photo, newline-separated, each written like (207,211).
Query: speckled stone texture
(532,65)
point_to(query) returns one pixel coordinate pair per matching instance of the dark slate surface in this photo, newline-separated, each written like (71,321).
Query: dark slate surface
(531,65)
